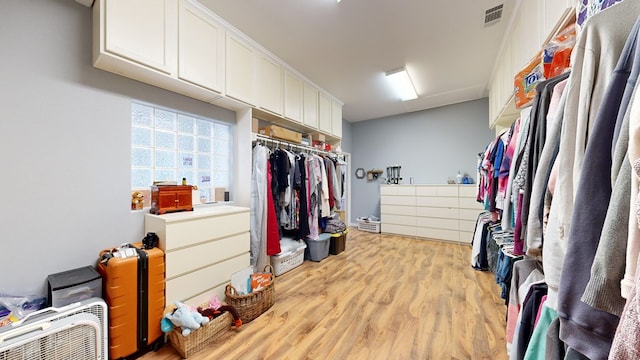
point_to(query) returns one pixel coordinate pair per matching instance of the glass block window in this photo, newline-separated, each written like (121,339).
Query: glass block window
(167,145)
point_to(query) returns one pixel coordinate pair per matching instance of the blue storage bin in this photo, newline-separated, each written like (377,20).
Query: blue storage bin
(317,249)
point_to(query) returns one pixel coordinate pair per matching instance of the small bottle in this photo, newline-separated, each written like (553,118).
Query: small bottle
(184,181)
(459,178)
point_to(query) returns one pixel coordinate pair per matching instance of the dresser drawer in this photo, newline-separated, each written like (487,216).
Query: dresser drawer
(399,220)
(436,212)
(468,191)
(398,229)
(397,210)
(445,202)
(395,190)
(447,224)
(441,234)
(182,261)
(398,200)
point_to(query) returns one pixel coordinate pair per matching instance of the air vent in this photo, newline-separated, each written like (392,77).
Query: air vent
(493,15)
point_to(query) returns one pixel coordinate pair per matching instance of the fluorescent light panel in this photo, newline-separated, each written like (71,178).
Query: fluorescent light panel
(401,84)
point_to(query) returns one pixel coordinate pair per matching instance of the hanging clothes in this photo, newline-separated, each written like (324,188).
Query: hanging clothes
(537,139)
(593,62)
(273,230)
(325,209)
(603,289)
(314,178)
(303,202)
(584,329)
(258,230)
(534,236)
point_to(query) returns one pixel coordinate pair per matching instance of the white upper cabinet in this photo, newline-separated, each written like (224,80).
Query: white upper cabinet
(241,71)
(200,48)
(324,112)
(292,97)
(270,85)
(181,46)
(336,118)
(142,31)
(310,114)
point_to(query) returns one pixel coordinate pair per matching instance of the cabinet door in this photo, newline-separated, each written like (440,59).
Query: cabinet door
(292,97)
(310,95)
(240,70)
(324,112)
(142,31)
(200,48)
(336,119)
(167,200)
(184,198)
(270,85)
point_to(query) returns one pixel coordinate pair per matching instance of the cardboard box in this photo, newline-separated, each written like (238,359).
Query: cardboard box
(255,125)
(278,132)
(219,194)
(318,137)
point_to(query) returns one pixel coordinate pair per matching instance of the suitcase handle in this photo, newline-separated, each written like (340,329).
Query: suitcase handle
(45,310)
(24,330)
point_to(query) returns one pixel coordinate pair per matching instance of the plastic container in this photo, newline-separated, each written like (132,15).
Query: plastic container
(369,225)
(287,261)
(71,286)
(337,243)
(317,249)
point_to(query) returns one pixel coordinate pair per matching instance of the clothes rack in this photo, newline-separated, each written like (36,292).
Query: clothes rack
(266,139)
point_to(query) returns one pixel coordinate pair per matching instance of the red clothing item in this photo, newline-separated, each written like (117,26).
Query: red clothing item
(273,233)
(332,203)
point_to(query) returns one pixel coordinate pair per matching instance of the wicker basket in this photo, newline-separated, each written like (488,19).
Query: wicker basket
(250,306)
(198,339)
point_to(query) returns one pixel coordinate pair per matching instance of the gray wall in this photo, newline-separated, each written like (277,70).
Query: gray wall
(430,145)
(64,144)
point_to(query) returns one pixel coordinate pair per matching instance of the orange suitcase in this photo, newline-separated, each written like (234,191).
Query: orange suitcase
(133,280)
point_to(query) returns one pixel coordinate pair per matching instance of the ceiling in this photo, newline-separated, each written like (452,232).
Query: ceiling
(345,48)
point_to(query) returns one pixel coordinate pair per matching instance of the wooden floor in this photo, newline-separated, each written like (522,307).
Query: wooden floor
(384,297)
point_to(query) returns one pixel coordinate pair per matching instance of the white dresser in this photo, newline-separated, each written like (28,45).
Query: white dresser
(443,212)
(202,249)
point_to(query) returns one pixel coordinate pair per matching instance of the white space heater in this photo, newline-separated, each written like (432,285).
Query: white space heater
(74,332)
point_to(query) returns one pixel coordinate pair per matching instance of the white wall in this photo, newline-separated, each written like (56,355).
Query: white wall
(64,144)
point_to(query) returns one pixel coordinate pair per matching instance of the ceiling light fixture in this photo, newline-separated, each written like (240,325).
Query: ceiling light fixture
(339,0)
(401,84)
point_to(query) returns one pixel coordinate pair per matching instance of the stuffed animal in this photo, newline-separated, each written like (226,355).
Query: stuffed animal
(212,313)
(214,302)
(187,319)
(137,199)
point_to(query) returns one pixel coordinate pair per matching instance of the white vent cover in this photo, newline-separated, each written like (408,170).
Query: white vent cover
(493,15)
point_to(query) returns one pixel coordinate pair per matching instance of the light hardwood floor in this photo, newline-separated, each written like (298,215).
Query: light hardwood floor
(384,297)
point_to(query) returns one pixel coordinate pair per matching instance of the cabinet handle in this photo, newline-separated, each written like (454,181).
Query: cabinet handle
(176,200)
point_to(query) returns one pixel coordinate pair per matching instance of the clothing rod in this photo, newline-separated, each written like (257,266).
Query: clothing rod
(264,138)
